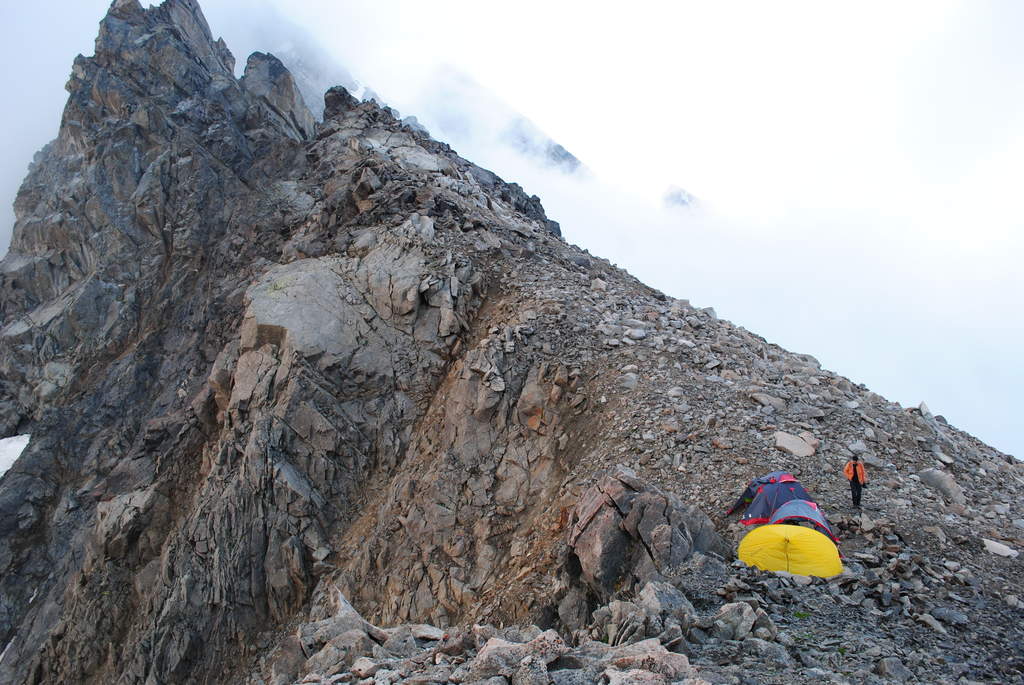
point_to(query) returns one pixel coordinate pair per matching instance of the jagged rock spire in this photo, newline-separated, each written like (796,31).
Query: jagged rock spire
(267,79)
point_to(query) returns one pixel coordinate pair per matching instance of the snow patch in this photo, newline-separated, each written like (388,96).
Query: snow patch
(10,449)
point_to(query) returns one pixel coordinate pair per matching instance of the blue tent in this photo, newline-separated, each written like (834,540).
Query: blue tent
(804,511)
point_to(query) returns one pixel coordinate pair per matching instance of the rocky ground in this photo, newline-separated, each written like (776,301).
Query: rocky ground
(276,368)
(893,615)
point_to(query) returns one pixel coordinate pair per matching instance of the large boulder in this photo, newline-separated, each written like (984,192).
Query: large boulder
(945,484)
(624,533)
(797,446)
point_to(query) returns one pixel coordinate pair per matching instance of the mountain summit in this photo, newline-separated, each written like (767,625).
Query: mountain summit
(288,381)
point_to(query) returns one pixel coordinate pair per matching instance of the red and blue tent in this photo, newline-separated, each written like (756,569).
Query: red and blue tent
(765,494)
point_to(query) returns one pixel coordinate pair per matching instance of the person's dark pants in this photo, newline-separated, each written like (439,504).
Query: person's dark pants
(855,488)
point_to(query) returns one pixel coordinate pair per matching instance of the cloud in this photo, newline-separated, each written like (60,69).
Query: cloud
(37,49)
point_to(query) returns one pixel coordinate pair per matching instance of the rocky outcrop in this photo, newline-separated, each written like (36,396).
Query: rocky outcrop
(268,365)
(125,274)
(275,94)
(219,324)
(624,533)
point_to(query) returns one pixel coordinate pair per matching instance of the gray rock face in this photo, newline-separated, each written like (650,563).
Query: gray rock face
(209,374)
(270,85)
(128,229)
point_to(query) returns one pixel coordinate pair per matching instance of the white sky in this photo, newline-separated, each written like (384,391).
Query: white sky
(859,163)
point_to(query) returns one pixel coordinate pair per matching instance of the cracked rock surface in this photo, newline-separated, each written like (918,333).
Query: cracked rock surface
(272,366)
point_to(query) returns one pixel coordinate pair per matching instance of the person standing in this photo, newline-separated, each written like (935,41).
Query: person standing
(854,472)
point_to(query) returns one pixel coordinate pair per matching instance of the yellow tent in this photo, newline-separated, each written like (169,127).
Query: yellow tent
(796,549)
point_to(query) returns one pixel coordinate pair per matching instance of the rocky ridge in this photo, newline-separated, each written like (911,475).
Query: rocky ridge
(272,366)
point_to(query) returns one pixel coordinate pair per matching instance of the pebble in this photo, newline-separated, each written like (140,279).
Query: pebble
(930,621)
(893,669)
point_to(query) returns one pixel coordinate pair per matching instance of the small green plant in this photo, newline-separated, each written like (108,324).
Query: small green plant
(277,286)
(801,614)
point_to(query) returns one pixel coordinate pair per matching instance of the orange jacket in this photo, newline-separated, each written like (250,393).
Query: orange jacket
(862,475)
